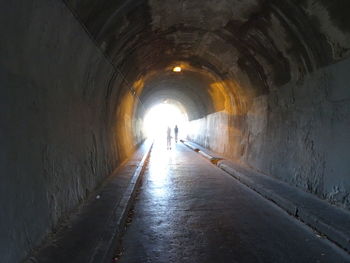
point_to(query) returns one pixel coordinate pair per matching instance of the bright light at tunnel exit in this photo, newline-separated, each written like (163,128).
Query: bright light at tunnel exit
(162,116)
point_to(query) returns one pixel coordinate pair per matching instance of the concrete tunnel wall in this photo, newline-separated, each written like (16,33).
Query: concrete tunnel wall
(264,83)
(58,121)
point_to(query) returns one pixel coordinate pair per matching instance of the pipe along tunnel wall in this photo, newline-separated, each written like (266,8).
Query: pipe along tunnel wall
(265,83)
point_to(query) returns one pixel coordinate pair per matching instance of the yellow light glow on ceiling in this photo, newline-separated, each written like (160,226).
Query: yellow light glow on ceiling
(177,69)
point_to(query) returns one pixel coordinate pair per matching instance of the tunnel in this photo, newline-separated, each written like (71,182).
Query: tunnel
(263,83)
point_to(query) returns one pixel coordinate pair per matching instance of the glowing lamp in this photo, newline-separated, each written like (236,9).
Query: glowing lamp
(177,69)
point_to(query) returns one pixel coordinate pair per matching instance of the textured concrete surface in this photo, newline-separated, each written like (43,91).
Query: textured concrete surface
(304,139)
(190,211)
(270,76)
(53,152)
(55,133)
(91,232)
(329,220)
(297,133)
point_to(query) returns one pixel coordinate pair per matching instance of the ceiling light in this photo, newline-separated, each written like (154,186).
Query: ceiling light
(177,69)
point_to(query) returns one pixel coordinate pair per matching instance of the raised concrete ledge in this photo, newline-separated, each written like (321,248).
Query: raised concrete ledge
(92,233)
(330,221)
(191,145)
(211,156)
(290,207)
(109,238)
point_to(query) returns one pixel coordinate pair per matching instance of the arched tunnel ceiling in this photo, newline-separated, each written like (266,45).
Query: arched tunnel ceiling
(189,88)
(72,117)
(259,44)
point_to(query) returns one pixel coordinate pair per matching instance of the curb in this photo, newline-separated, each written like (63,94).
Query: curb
(107,244)
(282,202)
(212,159)
(325,229)
(298,212)
(192,147)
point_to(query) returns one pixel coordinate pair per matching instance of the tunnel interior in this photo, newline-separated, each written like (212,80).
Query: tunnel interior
(264,83)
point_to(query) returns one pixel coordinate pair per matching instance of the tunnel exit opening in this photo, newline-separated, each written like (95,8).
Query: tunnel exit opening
(164,115)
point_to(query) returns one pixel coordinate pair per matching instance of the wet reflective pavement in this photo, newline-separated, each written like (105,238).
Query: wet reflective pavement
(188,210)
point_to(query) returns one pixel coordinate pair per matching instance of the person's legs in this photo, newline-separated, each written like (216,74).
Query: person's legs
(168,143)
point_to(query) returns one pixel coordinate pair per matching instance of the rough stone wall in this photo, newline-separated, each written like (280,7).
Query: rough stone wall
(54,130)
(213,132)
(65,109)
(303,133)
(298,133)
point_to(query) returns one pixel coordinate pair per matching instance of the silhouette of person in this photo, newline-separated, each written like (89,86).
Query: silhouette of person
(176,131)
(168,138)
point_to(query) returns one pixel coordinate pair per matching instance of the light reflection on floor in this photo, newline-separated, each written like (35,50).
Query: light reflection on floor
(159,168)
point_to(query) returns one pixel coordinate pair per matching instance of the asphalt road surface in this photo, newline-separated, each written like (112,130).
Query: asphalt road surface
(188,210)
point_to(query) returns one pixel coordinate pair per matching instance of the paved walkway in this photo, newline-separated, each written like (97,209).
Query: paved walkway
(191,211)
